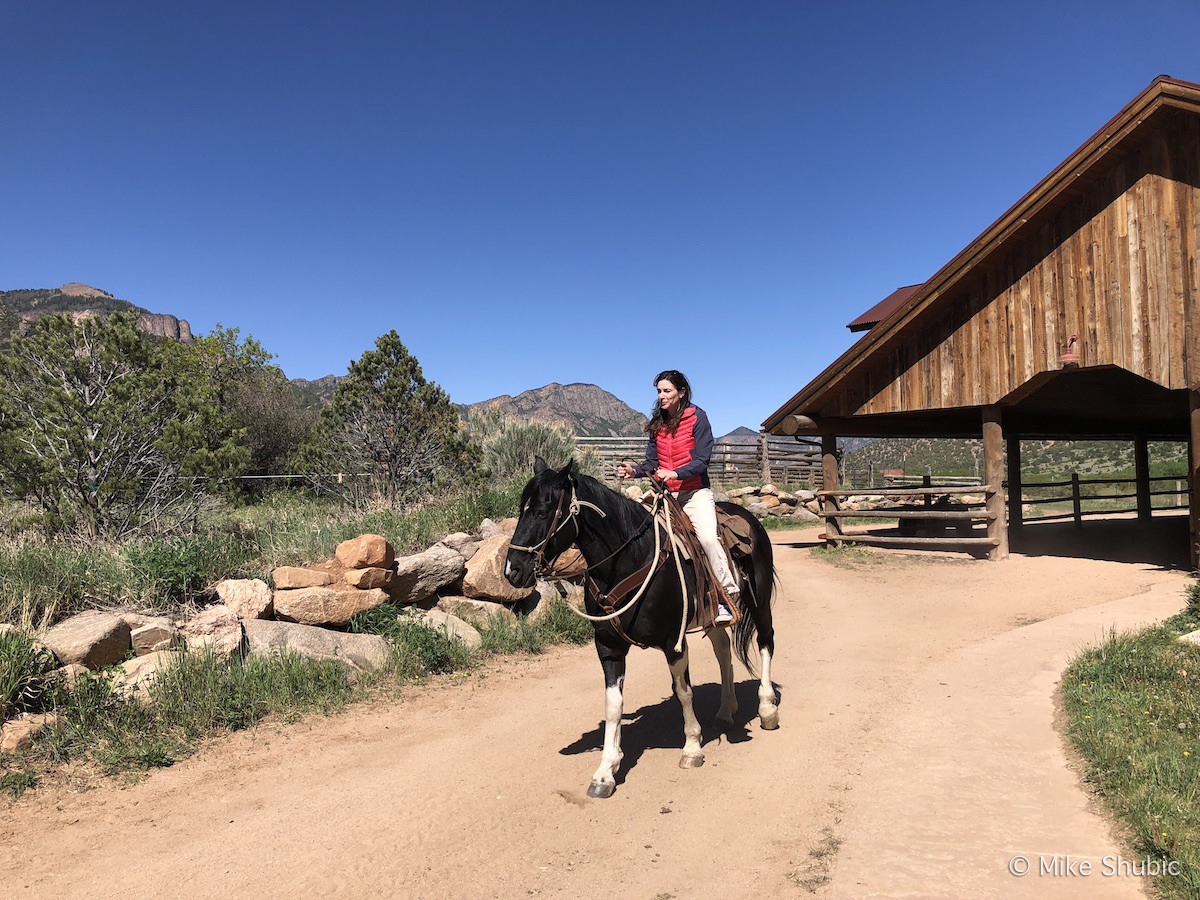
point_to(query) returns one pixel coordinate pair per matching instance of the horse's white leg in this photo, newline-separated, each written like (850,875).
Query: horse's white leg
(768,710)
(720,645)
(693,756)
(604,781)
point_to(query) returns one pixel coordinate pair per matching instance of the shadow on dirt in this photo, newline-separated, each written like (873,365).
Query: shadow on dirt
(660,726)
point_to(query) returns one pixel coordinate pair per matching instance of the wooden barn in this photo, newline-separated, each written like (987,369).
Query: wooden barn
(1076,315)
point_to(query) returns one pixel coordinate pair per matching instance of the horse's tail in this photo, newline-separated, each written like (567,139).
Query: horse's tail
(761,581)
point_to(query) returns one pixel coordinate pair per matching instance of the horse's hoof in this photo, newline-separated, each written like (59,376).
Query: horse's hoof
(688,761)
(601,790)
(769,721)
(724,725)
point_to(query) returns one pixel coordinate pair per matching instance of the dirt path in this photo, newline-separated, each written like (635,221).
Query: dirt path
(477,790)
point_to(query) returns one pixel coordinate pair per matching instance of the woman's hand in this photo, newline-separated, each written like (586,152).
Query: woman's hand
(665,475)
(625,470)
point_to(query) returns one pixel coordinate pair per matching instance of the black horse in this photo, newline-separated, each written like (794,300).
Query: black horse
(617,540)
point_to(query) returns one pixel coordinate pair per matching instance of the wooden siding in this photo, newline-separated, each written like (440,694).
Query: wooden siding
(1116,265)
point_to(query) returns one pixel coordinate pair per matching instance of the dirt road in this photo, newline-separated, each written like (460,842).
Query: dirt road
(897,675)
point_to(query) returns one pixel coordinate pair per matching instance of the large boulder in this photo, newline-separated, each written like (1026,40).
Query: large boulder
(477,612)
(770,501)
(452,626)
(485,579)
(420,576)
(354,652)
(136,675)
(569,563)
(250,598)
(152,637)
(18,734)
(537,605)
(461,542)
(803,515)
(291,577)
(325,606)
(367,579)
(217,630)
(92,639)
(366,551)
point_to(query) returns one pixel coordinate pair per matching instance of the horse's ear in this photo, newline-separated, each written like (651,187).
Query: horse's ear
(569,467)
(539,465)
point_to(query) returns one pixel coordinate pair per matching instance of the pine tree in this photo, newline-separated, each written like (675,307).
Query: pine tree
(395,432)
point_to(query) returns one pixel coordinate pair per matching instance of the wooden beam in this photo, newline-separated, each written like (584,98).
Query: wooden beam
(1141,465)
(829,471)
(1194,475)
(993,464)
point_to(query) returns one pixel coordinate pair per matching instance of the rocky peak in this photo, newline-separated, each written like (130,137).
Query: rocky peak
(590,410)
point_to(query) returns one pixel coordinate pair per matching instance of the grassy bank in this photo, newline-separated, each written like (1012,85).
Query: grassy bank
(1133,713)
(42,581)
(102,732)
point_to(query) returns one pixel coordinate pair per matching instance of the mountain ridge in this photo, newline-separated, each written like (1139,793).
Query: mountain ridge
(20,308)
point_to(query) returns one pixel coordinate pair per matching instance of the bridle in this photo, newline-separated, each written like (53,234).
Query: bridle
(617,594)
(573,508)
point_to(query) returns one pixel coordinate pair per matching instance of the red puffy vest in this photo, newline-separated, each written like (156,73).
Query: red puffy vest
(675,450)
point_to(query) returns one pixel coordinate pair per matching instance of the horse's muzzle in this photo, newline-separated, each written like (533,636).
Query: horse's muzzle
(518,569)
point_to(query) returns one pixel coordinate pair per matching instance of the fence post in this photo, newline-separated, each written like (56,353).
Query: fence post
(1075,500)
(1141,464)
(830,482)
(766,459)
(1178,492)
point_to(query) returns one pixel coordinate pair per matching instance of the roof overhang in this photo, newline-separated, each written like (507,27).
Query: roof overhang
(1162,92)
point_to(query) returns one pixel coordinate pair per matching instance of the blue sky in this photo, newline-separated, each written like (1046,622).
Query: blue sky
(544,191)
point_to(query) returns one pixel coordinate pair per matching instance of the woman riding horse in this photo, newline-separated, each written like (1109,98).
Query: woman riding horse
(638,592)
(678,451)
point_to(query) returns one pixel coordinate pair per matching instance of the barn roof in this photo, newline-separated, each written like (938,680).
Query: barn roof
(1049,194)
(883,308)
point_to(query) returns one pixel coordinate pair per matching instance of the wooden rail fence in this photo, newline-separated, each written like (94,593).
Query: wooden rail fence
(922,525)
(1077,497)
(770,459)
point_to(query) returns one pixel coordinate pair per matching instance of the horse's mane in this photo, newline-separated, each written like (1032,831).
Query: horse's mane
(624,516)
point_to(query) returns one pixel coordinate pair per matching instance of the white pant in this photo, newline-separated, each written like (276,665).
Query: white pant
(702,510)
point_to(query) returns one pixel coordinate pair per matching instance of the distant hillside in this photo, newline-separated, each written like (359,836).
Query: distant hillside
(320,389)
(20,308)
(590,410)
(740,435)
(917,456)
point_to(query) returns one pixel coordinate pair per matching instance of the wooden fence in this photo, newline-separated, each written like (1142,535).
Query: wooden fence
(1077,497)
(919,525)
(770,459)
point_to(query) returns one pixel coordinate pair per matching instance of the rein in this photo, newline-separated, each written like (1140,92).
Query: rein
(617,593)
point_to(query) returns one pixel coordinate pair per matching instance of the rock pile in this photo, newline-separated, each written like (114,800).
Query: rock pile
(455,585)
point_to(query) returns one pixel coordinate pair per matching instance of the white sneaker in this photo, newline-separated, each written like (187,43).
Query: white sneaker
(724,616)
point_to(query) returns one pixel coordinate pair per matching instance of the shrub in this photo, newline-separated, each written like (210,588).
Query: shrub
(510,444)
(108,431)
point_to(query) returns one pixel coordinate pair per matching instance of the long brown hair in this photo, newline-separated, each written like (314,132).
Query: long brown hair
(661,419)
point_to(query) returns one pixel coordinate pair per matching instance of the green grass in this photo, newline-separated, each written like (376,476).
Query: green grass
(1133,713)
(101,727)
(24,669)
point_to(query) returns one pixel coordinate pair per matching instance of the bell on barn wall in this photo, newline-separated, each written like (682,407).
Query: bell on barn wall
(1070,358)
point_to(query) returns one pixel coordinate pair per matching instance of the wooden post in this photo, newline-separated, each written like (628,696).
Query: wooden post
(766,459)
(1016,509)
(993,471)
(1076,503)
(829,482)
(1141,465)
(1193,475)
